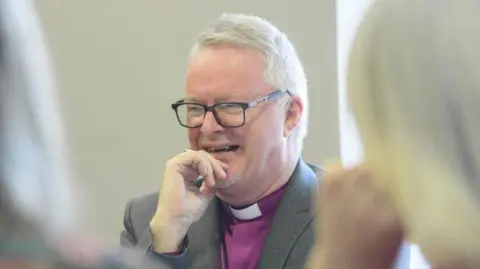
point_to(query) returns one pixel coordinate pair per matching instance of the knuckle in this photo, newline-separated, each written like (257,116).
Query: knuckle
(187,156)
(207,155)
(192,156)
(204,154)
(171,163)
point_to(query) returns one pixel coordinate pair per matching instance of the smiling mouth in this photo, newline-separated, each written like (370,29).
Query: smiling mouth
(222,149)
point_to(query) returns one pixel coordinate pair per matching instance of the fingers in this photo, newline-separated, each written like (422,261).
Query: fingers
(218,170)
(355,188)
(339,179)
(204,165)
(355,216)
(344,188)
(333,179)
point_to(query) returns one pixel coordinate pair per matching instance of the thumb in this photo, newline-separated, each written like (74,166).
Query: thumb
(206,191)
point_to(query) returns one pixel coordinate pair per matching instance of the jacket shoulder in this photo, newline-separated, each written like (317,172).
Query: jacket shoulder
(141,210)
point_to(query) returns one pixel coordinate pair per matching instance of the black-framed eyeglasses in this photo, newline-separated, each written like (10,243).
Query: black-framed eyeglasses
(227,114)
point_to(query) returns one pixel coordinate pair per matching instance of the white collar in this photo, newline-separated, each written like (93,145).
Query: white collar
(248,213)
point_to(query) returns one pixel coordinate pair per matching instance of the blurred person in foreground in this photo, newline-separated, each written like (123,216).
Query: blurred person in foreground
(36,209)
(414,87)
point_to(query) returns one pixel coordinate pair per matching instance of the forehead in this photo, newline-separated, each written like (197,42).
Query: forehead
(220,73)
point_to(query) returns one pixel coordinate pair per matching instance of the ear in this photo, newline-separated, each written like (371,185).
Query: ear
(294,113)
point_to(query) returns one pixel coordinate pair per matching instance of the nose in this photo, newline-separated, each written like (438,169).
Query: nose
(210,124)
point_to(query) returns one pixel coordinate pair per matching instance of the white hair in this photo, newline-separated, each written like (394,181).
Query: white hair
(414,87)
(284,69)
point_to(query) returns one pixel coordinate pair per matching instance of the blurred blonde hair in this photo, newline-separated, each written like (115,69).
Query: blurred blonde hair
(36,202)
(414,87)
(34,178)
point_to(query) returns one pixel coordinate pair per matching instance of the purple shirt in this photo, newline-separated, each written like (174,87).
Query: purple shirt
(244,238)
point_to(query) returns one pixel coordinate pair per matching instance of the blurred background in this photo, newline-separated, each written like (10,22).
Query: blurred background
(120,64)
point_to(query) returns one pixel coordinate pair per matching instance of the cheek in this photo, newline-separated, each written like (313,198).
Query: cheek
(270,130)
(193,135)
(259,136)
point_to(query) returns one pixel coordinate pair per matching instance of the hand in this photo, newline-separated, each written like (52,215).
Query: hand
(180,201)
(356,226)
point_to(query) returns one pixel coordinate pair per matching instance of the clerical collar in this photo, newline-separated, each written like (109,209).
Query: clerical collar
(247,213)
(264,206)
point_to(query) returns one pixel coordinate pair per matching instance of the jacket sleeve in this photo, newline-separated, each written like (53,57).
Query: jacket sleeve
(173,261)
(129,240)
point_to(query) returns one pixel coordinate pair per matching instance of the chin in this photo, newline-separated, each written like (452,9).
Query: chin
(224,184)
(232,178)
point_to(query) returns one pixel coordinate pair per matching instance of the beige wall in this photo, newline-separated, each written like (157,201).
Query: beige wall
(121,63)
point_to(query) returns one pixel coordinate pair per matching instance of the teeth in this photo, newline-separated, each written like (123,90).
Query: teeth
(222,149)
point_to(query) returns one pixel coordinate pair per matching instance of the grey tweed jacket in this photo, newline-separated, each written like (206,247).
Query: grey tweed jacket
(287,244)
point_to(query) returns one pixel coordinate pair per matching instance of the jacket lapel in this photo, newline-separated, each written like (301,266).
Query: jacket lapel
(292,217)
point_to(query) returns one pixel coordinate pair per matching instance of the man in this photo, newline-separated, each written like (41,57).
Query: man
(245,109)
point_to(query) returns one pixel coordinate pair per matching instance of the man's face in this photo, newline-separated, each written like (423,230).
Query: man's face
(228,74)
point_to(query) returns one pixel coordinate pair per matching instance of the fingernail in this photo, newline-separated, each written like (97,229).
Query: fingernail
(202,189)
(206,191)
